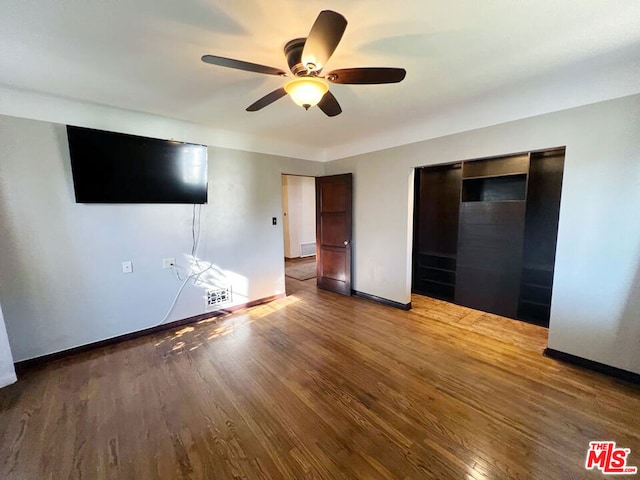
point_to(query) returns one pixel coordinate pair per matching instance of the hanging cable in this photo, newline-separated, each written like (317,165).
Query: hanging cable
(196,221)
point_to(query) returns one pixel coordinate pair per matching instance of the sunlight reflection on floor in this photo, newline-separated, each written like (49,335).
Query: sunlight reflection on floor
(220,326)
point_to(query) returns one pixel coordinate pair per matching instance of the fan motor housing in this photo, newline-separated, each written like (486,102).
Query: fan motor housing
(293,52)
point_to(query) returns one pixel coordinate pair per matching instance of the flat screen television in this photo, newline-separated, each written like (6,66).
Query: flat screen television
(109,167)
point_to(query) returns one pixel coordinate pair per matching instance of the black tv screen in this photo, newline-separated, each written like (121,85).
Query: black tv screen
(111,167)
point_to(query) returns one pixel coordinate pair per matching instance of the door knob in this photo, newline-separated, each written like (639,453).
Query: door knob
(346,242)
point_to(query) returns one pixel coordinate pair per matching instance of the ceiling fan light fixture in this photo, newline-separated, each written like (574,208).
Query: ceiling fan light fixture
(306,91)
(306,57)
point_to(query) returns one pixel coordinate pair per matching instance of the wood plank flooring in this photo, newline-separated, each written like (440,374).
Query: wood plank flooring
(318,386)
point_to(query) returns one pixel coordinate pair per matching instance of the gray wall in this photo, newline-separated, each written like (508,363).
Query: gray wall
(595,311)
(61,283)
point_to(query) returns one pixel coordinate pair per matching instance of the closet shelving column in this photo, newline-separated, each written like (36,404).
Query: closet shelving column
(437,192)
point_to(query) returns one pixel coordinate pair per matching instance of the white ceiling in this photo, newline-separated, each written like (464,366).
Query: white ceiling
(506,58)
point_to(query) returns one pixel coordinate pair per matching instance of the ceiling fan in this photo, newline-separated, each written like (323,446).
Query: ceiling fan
(306,58)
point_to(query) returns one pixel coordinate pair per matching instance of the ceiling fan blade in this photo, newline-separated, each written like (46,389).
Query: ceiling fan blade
(267,100)
(364,76)
(240,65)
(329,105)
(323,39)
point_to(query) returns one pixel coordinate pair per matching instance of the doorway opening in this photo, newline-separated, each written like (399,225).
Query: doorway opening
(299,230)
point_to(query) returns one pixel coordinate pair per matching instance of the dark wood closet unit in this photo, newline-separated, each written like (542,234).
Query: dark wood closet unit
(485,233)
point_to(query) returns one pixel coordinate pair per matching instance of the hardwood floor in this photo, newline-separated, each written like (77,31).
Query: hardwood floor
(318,386)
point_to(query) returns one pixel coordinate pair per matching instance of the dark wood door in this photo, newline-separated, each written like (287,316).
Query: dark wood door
(333,232)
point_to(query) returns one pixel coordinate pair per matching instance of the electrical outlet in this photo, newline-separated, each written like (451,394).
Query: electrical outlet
(127,267)
(168,262)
